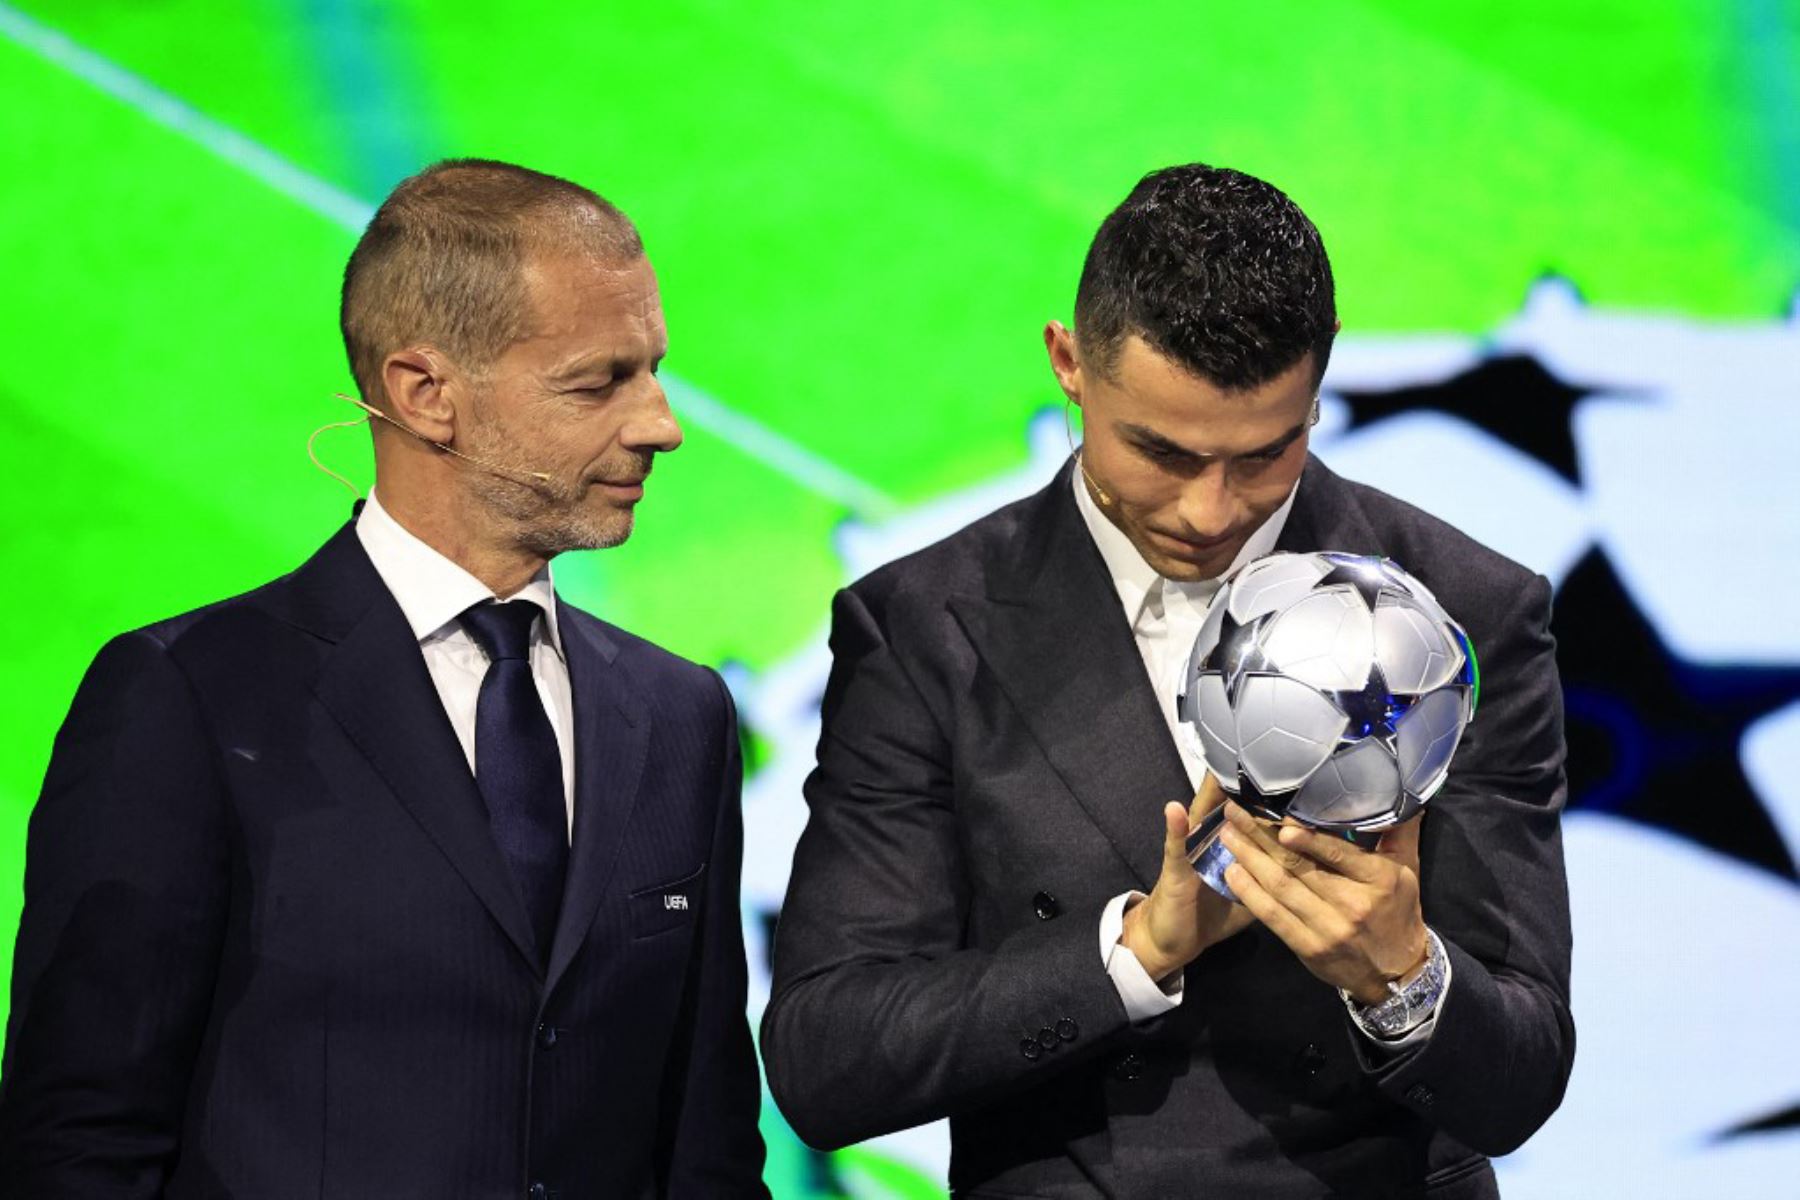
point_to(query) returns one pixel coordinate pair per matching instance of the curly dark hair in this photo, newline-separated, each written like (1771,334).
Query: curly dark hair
(1216,270)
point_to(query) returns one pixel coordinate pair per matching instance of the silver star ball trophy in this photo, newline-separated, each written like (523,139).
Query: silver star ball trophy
(1330,688)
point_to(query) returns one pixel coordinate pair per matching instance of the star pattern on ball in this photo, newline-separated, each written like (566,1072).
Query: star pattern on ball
(1374,711)
(1253,800)
(1237,654)
(1364,578)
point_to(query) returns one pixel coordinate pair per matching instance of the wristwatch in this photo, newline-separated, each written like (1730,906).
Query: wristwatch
(1410,1002)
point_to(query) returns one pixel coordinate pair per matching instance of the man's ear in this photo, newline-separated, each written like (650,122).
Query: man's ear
(1065,359)
(417,385)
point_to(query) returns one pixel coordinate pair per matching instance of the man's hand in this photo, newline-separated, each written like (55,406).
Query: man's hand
(1181,916)
(1351,915)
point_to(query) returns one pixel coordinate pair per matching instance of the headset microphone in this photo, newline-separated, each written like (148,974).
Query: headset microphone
(492,468)
(1100,493)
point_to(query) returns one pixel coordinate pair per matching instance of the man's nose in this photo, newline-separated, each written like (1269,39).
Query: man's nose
(652,425)
(1208,506)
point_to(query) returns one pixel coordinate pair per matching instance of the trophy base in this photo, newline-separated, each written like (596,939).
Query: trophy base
(1209,855)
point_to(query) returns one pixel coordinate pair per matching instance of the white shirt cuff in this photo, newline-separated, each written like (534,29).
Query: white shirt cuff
(1142,996)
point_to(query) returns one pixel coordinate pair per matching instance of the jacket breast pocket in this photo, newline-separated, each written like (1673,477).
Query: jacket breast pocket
(666,906)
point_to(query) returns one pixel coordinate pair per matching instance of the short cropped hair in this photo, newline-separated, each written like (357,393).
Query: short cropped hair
(442,261)
(1216,270)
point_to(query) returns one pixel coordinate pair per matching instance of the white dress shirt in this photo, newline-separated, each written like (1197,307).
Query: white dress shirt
(433,592)
(1165,618)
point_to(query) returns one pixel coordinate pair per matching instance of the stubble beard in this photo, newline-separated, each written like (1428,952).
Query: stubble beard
(543,516)
(552,534)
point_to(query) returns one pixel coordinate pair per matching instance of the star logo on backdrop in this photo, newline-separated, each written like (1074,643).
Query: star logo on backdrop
(1654,737)
(1511,396)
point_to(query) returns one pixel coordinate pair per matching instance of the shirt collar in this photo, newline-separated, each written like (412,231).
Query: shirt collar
(1136,579)
(431,590)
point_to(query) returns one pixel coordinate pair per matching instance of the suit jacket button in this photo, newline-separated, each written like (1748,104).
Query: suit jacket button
(1045,906)
(1129,1066)
(538,1191)
(1421,1095)
(1029,1048)
(1047,1038)
(1067,1029)
(1311,1060)
(546,1036)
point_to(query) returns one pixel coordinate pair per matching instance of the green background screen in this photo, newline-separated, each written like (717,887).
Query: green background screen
(861,216)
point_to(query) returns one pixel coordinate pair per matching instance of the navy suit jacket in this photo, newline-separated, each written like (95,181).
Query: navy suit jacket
(269,948)
(992,771)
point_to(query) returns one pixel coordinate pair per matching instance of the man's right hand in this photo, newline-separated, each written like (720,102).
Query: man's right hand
(1181,916)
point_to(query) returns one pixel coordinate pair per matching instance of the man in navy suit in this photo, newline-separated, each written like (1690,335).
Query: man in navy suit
(398,876)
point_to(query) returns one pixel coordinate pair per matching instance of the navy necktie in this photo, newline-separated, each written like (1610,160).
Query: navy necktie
(517,765)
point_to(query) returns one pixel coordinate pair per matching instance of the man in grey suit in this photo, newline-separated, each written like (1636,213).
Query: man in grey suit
(986,921)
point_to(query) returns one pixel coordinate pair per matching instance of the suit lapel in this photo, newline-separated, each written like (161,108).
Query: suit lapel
(1326,516)
(612,739)
(1053,632)
(1055,636)
(375,684)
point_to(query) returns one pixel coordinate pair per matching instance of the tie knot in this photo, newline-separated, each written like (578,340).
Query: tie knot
(502,630)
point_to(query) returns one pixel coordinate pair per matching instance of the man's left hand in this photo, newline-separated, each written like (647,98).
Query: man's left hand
(1351,915)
